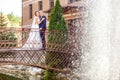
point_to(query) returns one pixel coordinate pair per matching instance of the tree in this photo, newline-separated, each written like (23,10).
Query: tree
(58,36)
(57,41)
(57,21)
(14,20)
(3,20)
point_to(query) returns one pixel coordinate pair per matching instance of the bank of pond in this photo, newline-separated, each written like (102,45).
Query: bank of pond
(8,77)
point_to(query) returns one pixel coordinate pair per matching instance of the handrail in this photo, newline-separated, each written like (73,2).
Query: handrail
(18,37)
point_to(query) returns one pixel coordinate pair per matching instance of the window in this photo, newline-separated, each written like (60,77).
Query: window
(51,3)
(40,5)
(30,11)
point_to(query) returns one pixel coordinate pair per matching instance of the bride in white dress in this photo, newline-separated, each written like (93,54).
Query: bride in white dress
(34,40)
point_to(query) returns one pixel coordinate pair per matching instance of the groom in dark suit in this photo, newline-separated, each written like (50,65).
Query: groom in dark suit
(42,26)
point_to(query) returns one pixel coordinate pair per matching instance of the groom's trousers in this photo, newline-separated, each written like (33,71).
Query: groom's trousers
(42,35)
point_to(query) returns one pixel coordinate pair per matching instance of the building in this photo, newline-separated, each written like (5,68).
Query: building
(69,9)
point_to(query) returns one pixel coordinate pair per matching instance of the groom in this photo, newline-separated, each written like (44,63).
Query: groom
(42,26)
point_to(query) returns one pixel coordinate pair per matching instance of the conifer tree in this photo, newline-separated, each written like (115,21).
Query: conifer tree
(57,21)
(57,40)
(58,35)
(3,20)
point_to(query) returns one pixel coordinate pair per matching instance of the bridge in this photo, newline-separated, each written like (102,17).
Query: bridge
(56,56)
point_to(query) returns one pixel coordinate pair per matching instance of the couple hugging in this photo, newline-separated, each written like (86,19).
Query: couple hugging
(36,39)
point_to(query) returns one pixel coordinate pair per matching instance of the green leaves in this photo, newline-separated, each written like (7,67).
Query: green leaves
(14,20)
(57,39)
(57,23)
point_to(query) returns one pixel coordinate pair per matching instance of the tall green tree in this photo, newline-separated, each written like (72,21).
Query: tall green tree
(3,20)
(57,41)
(57,21)
(58,35)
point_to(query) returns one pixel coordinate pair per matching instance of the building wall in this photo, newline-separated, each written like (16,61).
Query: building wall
(26,21)
(63,2)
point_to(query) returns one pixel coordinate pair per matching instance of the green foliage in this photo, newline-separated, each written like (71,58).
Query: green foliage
(11,36)
(57,26)
(52,59)
(3,22)
(58,35)
(14,20)
(7,77)
(8,37)
(49,75)
(57,22)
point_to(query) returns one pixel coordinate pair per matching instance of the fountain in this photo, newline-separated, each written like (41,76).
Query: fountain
(99,46)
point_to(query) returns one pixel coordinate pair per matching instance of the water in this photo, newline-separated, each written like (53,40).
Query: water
(101,42)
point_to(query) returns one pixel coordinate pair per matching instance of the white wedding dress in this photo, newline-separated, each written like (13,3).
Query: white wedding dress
(34,40)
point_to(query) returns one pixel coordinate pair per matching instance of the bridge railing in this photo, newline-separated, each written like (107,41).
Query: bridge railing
(10,37)
(31,38)
(16,37)
(57,55)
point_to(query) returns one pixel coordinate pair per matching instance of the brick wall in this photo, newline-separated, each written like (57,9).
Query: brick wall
(63,2)
(25,9)
(46,5)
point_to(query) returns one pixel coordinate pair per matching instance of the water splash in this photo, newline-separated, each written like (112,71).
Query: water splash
(100,42)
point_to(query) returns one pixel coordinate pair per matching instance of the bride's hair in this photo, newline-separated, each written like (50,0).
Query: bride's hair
(36,13)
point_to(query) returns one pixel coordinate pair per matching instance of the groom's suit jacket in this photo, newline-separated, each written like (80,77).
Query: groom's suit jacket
(43,23)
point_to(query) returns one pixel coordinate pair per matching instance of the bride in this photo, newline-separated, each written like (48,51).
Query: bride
(34,40)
